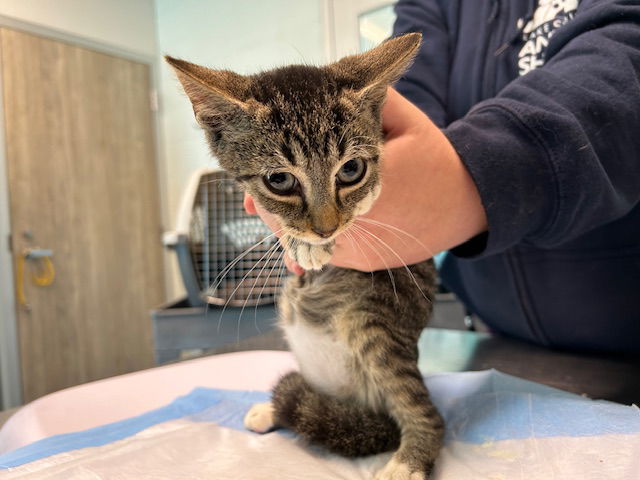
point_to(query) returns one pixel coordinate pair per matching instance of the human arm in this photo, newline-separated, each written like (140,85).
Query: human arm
(428,202)
(426,84)
(556,153)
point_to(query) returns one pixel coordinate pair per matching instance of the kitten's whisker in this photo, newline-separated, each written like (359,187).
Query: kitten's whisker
(352,239)
(303,61)
(357,137)
(226,304)
(413,278)
(232,264)
(292,244)
(229,266)
(403,240)
(283,270)
(212,288)
(354,150)
(275,263)
(344,132)
(282,275)
(271,251)
(363,146)
(386,227)
(386,265)
(230,181)
(399,230)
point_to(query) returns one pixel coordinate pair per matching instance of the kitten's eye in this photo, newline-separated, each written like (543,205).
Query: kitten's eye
(281,183)
(351,172)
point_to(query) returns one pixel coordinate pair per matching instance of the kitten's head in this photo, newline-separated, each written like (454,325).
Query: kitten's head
(304,141)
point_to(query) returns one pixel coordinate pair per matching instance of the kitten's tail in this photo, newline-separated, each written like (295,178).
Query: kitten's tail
(342,427)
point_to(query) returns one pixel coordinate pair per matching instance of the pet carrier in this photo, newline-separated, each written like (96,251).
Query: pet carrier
(226,256)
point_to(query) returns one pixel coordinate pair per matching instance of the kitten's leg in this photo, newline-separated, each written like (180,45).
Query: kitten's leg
(342,427)
(393,372)
(260,418)
(311,257)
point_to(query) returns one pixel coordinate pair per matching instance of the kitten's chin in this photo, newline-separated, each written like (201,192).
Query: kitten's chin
(315,240)
(320,242)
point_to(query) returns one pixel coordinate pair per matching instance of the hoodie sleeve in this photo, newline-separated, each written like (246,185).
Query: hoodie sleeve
(557,152)
(426,83)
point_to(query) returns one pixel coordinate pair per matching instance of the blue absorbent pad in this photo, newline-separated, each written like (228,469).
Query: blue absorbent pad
(498,427)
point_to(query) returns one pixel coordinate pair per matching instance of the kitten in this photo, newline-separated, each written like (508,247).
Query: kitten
(306,142)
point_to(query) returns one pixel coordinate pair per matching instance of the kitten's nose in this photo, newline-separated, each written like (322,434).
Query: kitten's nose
(324,220)
(324,232)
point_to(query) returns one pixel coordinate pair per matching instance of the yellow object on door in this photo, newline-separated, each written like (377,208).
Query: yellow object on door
(43,277)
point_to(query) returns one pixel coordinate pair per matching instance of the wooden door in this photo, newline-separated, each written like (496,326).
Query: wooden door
(83,182)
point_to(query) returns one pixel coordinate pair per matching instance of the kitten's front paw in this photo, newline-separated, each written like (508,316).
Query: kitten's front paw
(313,257)
(259,419)
(396,470)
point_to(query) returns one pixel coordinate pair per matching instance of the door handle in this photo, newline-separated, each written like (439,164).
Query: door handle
(43,278)
(35,253)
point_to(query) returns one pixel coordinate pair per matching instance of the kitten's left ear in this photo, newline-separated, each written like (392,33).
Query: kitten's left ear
(213,93)
(375,70)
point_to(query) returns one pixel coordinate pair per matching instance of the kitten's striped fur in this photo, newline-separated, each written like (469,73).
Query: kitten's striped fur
(359,390)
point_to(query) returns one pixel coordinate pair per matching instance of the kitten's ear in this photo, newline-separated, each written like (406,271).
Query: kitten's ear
(213,93)
(378,68)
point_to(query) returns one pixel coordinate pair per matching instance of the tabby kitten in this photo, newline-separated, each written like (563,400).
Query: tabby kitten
(306,142)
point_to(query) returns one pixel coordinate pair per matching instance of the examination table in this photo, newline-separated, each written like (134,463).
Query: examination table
(185,420)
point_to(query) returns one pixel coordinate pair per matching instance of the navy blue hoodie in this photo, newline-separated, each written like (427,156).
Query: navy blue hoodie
(541,99)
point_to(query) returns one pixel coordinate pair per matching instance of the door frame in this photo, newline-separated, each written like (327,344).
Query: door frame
(10,367)
(342,30)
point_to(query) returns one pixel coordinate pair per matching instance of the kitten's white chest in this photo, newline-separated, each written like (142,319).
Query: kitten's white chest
(324,361)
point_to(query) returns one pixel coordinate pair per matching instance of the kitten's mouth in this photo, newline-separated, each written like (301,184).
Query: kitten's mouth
(321,241)
(314,239)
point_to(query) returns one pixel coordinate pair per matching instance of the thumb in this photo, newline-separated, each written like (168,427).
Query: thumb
(249,205)
(292,266)
(398,114)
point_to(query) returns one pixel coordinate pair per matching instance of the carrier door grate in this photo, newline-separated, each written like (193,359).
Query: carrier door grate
(220,232)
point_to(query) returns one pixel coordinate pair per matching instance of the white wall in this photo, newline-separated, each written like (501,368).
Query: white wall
(128,24)
(241,35)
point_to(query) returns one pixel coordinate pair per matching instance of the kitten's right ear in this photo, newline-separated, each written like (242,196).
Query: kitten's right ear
(371,72)
(213,93)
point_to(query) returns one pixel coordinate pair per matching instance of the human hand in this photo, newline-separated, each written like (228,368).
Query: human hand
(428,201)
(252,208)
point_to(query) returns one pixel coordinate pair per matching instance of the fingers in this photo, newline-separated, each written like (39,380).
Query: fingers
(250,208)
(292,266)
(393,114)
(249,205)
(253,208)
(399,115)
